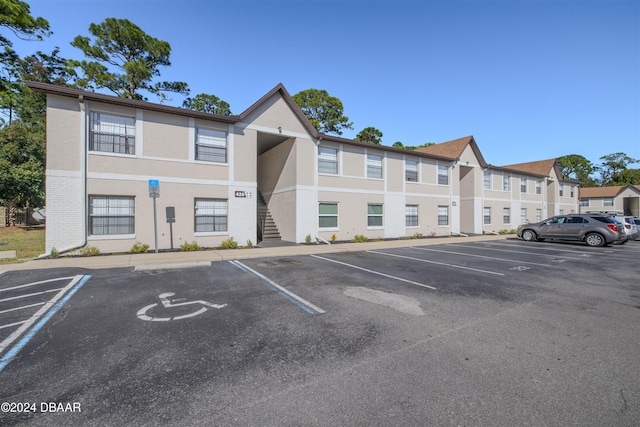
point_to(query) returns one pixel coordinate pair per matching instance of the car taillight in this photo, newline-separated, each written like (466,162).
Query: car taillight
(613,227)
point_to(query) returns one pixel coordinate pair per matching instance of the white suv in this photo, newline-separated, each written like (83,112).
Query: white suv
(630,226)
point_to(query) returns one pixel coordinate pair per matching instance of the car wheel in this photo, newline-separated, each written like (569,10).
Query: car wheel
(529,235)
(594,239)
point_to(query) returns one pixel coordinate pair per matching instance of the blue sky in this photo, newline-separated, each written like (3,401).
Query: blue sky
(530,79)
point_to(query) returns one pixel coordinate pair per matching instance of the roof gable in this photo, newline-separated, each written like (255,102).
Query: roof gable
(611,191)
(453,149)
(541,167)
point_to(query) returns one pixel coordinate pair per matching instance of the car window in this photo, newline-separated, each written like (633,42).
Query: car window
(576,220)
(604,219)
(556,220)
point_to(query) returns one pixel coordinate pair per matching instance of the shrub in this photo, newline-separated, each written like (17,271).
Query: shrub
(186,246)
(417,236)
(89,251)
(334,237)
(308,239)
(229,244)
(139,248)
(54,253)
(359,238)
(249,243)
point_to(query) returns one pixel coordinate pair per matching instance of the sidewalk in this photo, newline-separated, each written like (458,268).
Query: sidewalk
(165,260)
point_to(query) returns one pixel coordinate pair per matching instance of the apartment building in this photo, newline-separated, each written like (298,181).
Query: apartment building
(217,177)
(617,198)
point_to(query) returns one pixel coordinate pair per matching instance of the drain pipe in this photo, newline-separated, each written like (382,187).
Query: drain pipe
(455,234)
(321,240)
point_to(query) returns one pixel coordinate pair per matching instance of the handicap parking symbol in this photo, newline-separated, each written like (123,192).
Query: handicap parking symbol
(166,302)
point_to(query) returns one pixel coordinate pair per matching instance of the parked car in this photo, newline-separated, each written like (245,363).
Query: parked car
(630,226)
(593,229)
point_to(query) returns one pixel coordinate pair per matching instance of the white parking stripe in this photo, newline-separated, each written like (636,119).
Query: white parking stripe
(480,256)
(546,246)
(30,295)
(37,283)
(12,324)
(439,263)
(375,272)
(523,252)
(20,308)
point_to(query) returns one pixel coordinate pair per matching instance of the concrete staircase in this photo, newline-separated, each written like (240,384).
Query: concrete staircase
(266,224)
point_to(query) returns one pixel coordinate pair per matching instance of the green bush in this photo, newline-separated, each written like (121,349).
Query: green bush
(89,251)
(186,246)
(417,236)
(308,239)
(139,248)
(359,238)
(249,243)
(54,253)
(229,244)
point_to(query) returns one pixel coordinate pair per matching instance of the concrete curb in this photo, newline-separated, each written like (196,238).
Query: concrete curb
(152,261)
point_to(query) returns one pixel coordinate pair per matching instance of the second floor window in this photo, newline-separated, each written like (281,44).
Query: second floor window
(411,171)
(112,134)
(327,160)
(539,188)
(443,175)
(487,180)
(374,166)
(506,182)
(211,145)
(523,185)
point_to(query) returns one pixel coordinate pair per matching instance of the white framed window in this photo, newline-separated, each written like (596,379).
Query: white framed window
(411,170)
(506,215)
(487,215)
(328,160)
(110,133)
(374,166)
(538,215)
(327,215)
(210,215)
(523,215)
(506,182)
(211,145)
(523,185)
(571,194)
(443,215)
(411,215)
(584,202)
(561,190)
(110,215)
(375,213)
(443,175)
(487,180)
(539,188)
(607,201)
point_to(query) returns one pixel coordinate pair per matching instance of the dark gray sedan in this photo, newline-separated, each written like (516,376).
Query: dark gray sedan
(593,229)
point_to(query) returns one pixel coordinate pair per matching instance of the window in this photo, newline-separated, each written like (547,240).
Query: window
(411,170)
(443,215)
(523,185)
(443,175)
(571,192)
(374,215)
(538,215)
(584,202)
(112,134)
(210,215)
(211,145)
(411,215)
(607,201)
(561,190)
(539,188)
(523,215)
(487,180)
(328,160)
(561,211)
(374,166)
(506,215)
(328,215)
(506,182)
(487,215)
(109,215)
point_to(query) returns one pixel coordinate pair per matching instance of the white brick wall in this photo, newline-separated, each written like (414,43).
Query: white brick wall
(65,211)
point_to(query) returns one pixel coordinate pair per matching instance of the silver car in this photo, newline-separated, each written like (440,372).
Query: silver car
(593,229)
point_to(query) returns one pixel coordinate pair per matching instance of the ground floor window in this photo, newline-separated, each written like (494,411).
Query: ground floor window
(506,215)
(411,215)
(487,216)
(210,215)
(109,215)
(328,215)
(523,215)
(443,215)
(374,215)
(538,215)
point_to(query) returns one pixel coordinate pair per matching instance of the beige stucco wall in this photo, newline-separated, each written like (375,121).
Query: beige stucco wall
(167,136)
(63,133)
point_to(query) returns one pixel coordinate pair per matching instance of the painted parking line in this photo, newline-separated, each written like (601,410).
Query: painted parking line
(479,256)
(375,272)
(485,248)
(21,307)
(462,267)
(545,246)
(42,316)
(290,296)
(48,291)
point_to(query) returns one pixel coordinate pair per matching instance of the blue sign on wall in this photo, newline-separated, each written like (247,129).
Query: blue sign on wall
(154,183)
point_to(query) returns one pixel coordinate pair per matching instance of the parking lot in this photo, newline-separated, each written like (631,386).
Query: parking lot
(469,333)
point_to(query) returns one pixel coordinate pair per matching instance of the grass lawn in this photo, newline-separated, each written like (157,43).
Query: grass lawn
(28,242)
